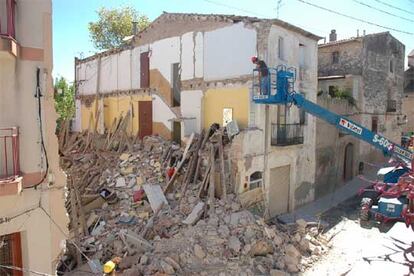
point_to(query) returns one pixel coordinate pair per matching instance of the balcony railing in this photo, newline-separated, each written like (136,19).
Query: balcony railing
(9,29)
(9,152)
(287,134)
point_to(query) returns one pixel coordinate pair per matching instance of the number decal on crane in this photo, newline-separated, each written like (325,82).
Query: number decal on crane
(381,141)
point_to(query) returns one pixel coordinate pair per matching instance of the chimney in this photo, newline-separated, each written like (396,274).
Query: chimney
(363,32)
(357,32)
(332,36)
(134,28)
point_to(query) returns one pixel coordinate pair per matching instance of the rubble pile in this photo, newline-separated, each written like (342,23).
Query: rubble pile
(164,209)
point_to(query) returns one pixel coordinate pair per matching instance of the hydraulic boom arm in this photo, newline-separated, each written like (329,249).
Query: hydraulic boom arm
(348,126)
(281,91)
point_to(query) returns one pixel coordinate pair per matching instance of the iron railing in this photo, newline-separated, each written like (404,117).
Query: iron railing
(287,134)
(9,152)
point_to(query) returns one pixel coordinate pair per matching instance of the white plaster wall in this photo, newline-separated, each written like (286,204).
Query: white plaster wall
(191,102)
(198,53)
(161,112)
(227,52)
(109,74)
(78,117)
(187,56)
(124,70)
(163,53)
(86,74)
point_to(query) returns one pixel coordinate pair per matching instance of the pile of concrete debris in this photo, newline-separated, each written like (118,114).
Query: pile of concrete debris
(164,209)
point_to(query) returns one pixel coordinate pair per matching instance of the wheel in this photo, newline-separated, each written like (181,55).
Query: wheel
(366,204)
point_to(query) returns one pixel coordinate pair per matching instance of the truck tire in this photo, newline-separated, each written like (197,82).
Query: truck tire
(365,205)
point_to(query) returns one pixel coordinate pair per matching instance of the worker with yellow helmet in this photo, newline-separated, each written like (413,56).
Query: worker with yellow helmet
(109,268)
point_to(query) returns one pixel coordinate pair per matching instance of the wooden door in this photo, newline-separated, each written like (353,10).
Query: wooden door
(11,254)
(348,162)
(279,190)
(144,118)
(144,61)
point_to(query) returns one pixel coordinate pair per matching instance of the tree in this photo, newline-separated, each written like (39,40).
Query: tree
(64,100)
(114,25)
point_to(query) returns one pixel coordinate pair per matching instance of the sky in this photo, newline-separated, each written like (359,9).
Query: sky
(71,17)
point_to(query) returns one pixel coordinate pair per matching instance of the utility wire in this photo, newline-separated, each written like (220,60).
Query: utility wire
(394,7)
(256,14)
(374,8)
(354,18)
(234,8)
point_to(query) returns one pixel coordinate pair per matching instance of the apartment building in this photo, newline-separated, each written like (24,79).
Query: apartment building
(33,219)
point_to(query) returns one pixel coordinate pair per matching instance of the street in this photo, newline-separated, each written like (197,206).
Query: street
(364,251)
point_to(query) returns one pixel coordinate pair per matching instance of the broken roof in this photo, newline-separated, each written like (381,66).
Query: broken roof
(196,17)
(238,18)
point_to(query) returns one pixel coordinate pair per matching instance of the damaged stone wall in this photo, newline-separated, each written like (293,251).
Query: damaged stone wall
(350,59)
(376,63)
(331,145)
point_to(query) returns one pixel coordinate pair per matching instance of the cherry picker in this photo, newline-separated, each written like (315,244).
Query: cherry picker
(280,91)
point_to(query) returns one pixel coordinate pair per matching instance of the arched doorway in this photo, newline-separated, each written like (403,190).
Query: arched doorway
(348,162)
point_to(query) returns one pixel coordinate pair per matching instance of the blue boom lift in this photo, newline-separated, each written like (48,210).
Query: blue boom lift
(280,90)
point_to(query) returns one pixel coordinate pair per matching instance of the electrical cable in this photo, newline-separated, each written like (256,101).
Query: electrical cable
(234,8)
(380,10)
(394,7)
(38,95)
(355,18)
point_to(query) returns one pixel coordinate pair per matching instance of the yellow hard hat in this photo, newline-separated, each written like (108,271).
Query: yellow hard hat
(109,266)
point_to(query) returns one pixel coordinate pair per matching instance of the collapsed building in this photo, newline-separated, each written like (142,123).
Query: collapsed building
(361,78)
(187,71)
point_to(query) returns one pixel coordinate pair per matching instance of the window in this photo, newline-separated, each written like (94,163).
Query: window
(302,61)
(374,124)
(227,115)
(335,57)
(332,89)
(280,48)
(256,180)
(391,66)
(302,55)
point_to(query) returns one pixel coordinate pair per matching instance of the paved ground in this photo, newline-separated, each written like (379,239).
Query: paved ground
(312,211)
(364,251)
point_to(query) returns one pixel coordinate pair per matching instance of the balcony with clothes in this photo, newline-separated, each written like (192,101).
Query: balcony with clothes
(10,179)
(8,42)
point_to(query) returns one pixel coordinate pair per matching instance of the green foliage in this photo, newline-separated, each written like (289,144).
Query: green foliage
(64,100)
(344,94)
(113,25)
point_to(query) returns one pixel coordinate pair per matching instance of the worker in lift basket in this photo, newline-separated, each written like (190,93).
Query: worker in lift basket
(263,75)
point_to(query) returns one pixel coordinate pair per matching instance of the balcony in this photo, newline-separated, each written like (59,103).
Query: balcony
(8,43)
(287,134)
(10,182)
